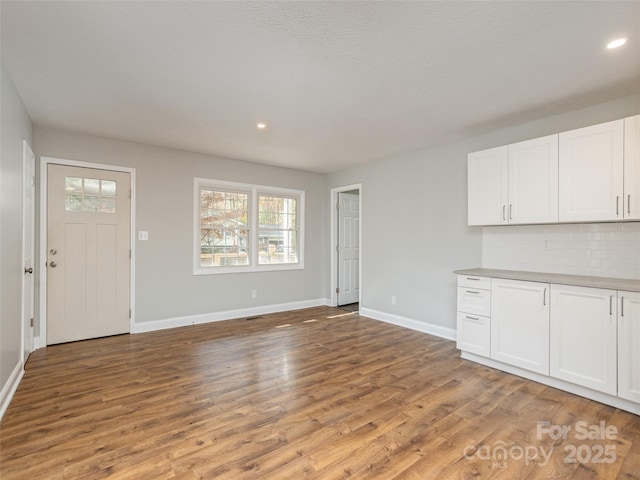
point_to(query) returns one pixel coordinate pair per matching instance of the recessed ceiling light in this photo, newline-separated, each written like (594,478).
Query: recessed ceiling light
(616,43)
(261,126)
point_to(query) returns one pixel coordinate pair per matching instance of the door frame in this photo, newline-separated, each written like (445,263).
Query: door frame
(41,339)
(27,330)
(334,239)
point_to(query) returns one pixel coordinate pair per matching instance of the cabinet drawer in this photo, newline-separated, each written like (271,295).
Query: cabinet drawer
(474,334)
(474,301)
(472,281)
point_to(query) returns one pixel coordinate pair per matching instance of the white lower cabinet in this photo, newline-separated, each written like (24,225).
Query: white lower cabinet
(583,337)
(520,324)
(629,346)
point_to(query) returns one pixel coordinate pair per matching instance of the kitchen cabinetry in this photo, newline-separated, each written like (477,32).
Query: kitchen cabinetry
(631,200)
(514,184)
(473,318)
(520,324)
(629,345)
(591,173)
(583,337)
(577,333)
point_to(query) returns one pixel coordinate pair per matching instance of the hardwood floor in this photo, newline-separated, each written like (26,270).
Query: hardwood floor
(317,393)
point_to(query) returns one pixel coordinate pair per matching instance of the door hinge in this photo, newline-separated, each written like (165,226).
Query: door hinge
(129,253)
(337,248)
(337,289)
(31,322)
(338,205)
(129,313)
(129,194)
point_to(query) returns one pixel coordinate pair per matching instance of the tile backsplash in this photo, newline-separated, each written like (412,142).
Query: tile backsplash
(600,249)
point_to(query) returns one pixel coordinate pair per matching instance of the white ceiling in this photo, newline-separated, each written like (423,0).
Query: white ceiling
(338,83)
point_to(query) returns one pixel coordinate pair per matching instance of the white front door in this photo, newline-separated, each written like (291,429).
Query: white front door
(88,242)
(28,246)
(348,248)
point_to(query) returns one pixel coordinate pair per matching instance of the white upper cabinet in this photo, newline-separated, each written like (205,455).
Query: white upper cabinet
(488,187)
(631,200)
(514,184)
(533,181)
(591,173)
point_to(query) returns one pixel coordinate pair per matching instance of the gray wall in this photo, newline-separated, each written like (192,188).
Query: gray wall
(15,126)
(165,287)
(414,227)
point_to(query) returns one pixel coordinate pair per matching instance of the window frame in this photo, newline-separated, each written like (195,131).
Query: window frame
(253,192)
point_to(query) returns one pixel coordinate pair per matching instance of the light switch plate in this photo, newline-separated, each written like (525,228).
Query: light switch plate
(143,235)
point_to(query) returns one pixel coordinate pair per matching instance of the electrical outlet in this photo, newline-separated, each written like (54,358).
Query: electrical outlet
(143,235)
(393,299)
(254,294)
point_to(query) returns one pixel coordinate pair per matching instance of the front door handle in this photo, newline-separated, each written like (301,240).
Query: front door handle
(28,270)
(53,264)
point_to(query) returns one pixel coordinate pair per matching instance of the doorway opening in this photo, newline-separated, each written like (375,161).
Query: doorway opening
(346,251)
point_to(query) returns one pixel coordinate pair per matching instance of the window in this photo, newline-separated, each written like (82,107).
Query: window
(89,195)
(277,229)
(224,228)
(246,228)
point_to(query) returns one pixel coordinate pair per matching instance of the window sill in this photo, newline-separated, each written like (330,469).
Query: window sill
(247,269)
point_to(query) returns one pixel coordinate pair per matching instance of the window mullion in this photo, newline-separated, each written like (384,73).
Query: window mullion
(253,226)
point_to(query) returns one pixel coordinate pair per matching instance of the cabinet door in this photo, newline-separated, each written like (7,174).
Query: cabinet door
(583,337)
(533,181)
(487,187)
(473,334)
(520,324)
(591,173)
(629,346)
(632,168)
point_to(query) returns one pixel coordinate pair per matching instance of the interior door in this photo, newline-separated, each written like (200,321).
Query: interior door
(348,248)
(28,246)
(88,242)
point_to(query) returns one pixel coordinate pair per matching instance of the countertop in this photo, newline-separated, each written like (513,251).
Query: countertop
(557,278)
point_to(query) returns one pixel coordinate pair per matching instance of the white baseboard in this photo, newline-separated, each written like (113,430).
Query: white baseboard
(9,388)
(154,325)
(430,328)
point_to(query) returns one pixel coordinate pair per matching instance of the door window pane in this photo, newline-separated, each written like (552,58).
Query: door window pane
(91,186)
(73,203)
(108,188)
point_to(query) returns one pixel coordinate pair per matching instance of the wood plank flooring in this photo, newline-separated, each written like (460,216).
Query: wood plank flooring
(318,393)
